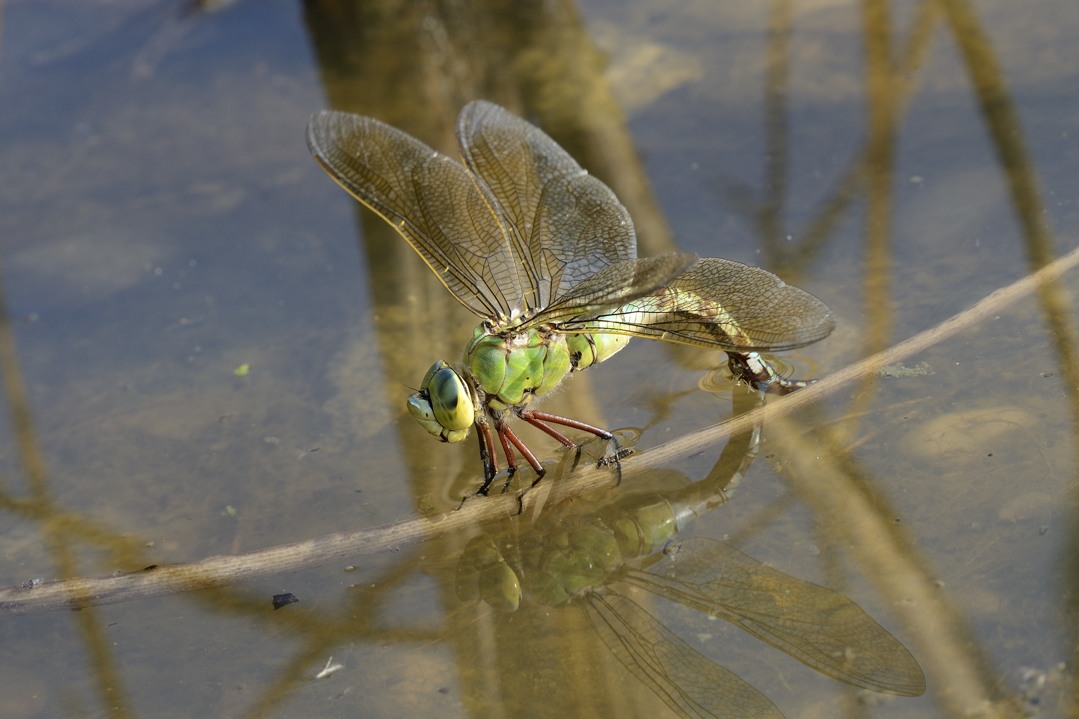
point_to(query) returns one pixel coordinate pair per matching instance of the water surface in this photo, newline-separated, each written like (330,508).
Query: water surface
(209,346)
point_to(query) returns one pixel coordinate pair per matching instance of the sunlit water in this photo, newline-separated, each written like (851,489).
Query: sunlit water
(214,345)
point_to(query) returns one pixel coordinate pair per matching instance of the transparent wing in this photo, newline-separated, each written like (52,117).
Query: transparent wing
(718,303)
(430,199)
(614,286)
(817,626)
(564,224)
(690,684)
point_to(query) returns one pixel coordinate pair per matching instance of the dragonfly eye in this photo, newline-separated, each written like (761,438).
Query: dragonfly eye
(451,400)
(443,406)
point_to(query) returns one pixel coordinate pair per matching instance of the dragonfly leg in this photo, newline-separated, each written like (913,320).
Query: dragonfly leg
(487,455)
(539,420)
(755,371)
(508,437)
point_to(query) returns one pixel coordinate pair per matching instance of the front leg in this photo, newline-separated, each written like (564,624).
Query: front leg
(487,455)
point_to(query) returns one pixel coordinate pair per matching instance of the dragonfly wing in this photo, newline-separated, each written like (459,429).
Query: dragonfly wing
(817,626)
(430,199)
(615,285)
(564,224)
(719,303)
(689,683)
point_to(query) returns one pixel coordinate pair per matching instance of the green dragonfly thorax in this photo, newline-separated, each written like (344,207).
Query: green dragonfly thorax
(578,556)
(548,573)
(502,371)
(511,368)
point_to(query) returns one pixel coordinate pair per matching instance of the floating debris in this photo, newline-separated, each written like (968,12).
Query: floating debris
(281,600)
(329,670)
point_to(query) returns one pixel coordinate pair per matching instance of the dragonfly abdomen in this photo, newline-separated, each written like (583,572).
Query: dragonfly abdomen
(586,350)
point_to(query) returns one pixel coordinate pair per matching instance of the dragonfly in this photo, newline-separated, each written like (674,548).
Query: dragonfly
(546,256)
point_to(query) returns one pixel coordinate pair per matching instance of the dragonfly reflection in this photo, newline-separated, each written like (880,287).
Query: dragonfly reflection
(588,559)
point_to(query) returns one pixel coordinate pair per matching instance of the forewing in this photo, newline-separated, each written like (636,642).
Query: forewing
(817,626)
(430,199)
(564,224)
(719,303)
(689,683)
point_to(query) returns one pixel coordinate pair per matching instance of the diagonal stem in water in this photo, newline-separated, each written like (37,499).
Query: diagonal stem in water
(217,571)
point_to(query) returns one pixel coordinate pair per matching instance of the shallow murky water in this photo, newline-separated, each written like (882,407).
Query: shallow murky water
(206,348)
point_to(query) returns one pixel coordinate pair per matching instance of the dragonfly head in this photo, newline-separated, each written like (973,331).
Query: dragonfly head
(444,405)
